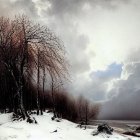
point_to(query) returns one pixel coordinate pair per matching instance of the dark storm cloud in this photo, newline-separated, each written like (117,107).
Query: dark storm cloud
(58,7)
(122,108)
(124,103)
(73,7)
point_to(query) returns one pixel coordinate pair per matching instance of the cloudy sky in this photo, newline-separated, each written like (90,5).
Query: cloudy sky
(102,39)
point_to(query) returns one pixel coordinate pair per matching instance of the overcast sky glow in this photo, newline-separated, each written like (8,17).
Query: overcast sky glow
(102,38)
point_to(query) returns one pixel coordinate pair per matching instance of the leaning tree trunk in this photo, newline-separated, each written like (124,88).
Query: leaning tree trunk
(19,94)
(43,106)
(21,104)
(38,82)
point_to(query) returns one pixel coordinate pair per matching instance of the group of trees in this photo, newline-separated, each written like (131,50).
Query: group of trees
(74,109)
(87,111)
(30,55)
(27,52)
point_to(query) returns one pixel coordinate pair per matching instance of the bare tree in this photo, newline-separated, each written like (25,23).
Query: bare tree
(20,43)
(87,111)
(80,107)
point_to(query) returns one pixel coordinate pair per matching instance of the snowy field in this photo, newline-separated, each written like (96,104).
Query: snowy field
(46,129)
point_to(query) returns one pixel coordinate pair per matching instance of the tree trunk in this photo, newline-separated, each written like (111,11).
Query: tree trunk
(38,82)
(53,98)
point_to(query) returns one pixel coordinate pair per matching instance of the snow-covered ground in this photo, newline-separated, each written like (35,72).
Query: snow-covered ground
(45,128)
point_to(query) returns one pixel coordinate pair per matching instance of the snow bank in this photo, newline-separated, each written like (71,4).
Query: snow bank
(46,130)
(4,118)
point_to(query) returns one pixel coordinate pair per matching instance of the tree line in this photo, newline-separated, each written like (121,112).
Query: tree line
(30,56)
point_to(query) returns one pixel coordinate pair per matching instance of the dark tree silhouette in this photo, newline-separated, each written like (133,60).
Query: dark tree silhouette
(26,50)
(31,56)
(87,111)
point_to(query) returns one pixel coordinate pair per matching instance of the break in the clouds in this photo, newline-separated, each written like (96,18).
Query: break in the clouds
(125,103)
(102,39)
